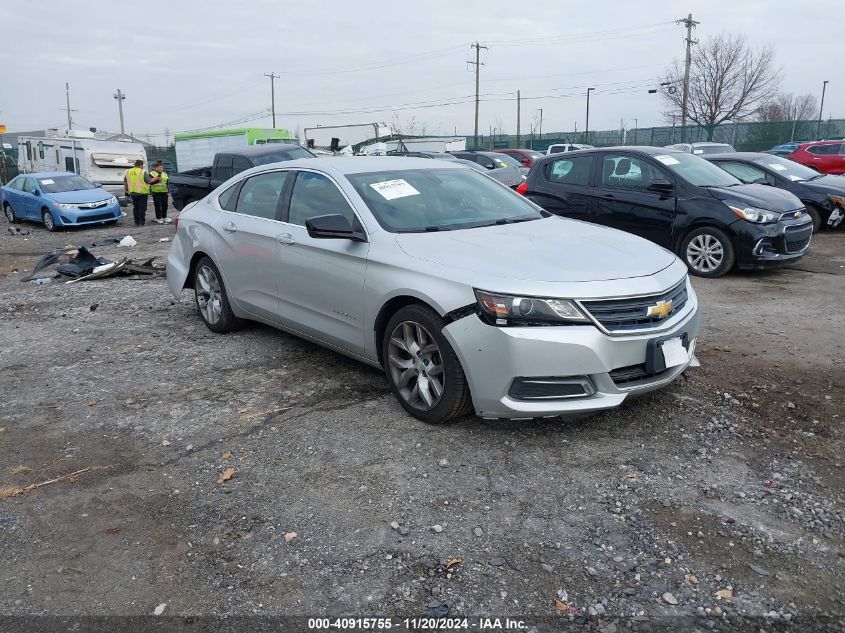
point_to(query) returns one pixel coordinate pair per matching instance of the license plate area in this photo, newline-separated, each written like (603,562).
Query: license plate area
(655,361)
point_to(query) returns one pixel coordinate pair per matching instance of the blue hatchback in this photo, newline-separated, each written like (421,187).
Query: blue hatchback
(58,199)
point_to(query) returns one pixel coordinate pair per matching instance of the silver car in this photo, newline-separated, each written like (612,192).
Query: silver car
(468,295)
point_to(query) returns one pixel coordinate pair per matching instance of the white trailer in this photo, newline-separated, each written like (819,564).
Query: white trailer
(81,153)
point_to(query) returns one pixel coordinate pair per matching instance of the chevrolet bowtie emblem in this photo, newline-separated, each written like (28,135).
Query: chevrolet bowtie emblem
(661,309)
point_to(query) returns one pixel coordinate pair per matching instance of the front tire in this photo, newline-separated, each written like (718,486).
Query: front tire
(9,212)
(422,369)
(708,252)
(815,216)
(212,299)
(48,221)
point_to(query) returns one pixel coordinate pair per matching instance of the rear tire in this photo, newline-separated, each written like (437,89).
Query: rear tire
(9,212)
(422,369)
(48,221)
(708,252)
(212,299)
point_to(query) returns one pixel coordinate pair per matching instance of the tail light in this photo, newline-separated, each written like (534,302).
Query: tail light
(522,188)
(176,222)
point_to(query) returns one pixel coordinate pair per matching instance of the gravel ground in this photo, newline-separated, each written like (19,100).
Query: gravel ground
(717,500)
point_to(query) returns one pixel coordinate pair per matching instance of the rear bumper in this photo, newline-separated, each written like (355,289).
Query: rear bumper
(493,357)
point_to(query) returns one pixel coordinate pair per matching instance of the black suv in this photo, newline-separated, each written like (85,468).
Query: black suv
(677,200)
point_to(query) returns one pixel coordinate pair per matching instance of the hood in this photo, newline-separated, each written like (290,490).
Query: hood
(552,249)
(760,196)
(832,185)
(79,197)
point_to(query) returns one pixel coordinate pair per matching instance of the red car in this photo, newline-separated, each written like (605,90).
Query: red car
(827,157)
(524,156)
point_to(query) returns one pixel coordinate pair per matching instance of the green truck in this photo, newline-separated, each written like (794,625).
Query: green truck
(197,149)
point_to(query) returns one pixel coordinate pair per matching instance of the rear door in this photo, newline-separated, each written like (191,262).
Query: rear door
(623,201)
(244,241)
(321,281)
(563,186)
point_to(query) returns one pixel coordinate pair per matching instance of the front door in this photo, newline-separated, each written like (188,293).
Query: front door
(31,202)
(321,281)
(244,242)
(622,199)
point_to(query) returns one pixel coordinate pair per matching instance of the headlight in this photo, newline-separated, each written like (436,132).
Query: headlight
(65,207)
(498,309)
(758,216)
(838,200)
(112,200)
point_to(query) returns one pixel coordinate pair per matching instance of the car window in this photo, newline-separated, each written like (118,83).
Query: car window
(824,150)
(441,199)
(571,171)
(278,157)
(29,185)
(484,161)
(504,160)
(17,183)
(743,171)
(223,168)
(313,195)
(259,195)
(229,198)
(239,164)
(628,172)
(786,168)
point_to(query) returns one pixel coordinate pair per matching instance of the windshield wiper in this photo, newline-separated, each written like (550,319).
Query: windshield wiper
(816,177)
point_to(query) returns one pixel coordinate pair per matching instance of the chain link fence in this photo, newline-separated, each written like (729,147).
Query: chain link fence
(747,137)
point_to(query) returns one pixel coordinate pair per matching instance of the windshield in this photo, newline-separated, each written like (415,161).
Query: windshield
(61,184)
(417,200)
(503,160)
(696,171)
(472,165)
(278,157)
(534,154)
(786,168)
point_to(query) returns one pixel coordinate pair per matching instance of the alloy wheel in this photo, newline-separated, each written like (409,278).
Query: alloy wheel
(209,294)
(10,215)
(48,220)
(705,253)
(416,365)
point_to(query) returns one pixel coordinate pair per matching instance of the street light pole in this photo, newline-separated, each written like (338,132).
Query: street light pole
(120,96)
(541,124)
(587,125)
(821,109)
(635,130)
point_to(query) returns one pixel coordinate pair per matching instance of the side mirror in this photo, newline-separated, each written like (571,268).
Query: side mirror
(760,181)
(659,185)
(36,192)
(206,173)
(333,226)
(98,185)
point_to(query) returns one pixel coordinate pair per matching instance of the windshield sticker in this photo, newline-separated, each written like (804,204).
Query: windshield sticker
(46,181)
(698,151)
(777,167)
(794,178)
(392,189)
(667,160)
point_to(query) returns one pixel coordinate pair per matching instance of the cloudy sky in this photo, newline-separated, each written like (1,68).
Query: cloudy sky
(194,64)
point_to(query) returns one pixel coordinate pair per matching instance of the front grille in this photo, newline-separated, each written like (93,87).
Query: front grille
(93,205)
(633,313)
(796,247)
(96,218)
(632,373)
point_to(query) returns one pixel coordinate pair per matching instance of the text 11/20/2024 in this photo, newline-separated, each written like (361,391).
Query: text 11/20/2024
(416,624)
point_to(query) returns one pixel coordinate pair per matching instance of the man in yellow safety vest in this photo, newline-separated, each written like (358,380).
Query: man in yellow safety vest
(136,184)
(159,191)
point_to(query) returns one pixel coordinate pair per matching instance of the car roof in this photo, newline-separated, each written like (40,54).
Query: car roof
(49,174)
(736,156)
(631,149)
(708,144)
(344,165)
(261,150)
(831,142)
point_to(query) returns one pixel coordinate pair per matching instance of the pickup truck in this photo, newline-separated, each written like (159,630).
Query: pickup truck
(188,186)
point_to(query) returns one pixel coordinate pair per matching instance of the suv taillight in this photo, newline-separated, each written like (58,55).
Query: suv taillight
(522,188)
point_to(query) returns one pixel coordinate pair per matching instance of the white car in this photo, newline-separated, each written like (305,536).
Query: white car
(566,147)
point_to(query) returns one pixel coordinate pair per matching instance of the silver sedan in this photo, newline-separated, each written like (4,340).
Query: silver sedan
(468,295)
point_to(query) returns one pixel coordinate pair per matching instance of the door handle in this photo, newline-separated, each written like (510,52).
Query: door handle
(608,196)
(229,227)
(285,239)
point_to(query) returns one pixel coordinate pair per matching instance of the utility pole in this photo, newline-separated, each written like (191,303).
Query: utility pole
(541,124)
(120,96)
(272,77)
(635,130)
(68,108)
(587,124)
(821,109)
(690,24)
(477,63)
(517,117)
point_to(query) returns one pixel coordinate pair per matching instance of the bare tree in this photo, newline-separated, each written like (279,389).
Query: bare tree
(728,81)
(409,127)
(788,107)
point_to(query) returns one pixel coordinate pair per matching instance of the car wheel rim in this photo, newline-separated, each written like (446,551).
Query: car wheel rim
(416,365)
(209,295)
(48,220)
(10,215)
(705,253)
